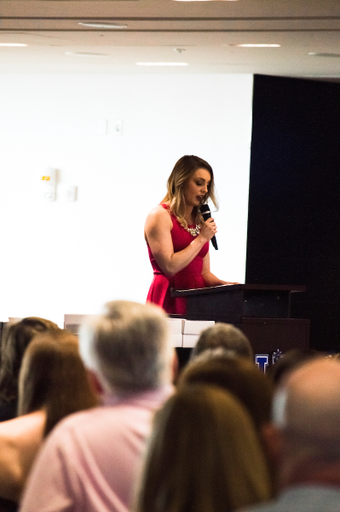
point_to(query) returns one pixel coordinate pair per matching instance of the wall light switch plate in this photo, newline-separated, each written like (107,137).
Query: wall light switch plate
(70,193)
(118,127)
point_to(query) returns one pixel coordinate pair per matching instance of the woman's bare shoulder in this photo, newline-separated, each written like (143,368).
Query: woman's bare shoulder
(158,214)
(17,427)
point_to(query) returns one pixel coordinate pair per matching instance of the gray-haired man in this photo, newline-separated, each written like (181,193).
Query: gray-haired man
(91,459)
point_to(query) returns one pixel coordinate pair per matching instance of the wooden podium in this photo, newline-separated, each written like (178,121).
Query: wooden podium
(262,312)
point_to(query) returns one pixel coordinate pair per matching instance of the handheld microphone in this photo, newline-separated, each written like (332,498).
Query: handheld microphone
(206,213)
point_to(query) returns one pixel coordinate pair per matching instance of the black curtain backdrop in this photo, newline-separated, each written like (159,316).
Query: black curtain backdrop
(294,198)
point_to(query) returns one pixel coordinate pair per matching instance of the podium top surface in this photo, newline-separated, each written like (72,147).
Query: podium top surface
(235,287)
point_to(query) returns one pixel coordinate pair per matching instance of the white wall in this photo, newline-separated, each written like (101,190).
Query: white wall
(70,257)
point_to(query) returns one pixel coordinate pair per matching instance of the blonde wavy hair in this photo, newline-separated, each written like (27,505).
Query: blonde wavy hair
(184,168)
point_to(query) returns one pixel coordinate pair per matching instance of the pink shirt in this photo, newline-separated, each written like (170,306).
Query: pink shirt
(91,459)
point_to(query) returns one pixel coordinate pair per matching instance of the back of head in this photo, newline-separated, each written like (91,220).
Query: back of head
(225,336)
(307,411)
(53,377)
(237,375)
(128,347)
(204,456)
(16,338)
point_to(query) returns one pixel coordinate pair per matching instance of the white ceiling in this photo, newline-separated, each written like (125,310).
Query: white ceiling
(205,33)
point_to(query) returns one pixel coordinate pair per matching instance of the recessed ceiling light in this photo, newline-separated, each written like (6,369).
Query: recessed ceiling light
(162,64)
(12,44)
(316,54)
(113,26)
(86,54)
(257,45)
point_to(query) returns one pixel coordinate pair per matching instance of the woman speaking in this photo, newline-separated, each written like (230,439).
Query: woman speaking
(178,237)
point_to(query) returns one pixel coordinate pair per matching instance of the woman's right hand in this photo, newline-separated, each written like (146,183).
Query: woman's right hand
(208,229)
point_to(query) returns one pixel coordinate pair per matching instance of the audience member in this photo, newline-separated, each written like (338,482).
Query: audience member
(242,378)
(14,342)
(306,433)
(224,336)
(90,460)
(237,375)
(203,456)
(52,384)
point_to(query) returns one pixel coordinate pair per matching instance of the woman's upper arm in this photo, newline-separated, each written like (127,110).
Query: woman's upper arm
(158,227)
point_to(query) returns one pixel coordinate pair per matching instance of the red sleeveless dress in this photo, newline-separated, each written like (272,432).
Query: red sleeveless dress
(188,277)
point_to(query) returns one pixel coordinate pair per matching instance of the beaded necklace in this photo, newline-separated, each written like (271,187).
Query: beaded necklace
(194,231)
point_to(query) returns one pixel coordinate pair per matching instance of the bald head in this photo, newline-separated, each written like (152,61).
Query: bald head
(307,406)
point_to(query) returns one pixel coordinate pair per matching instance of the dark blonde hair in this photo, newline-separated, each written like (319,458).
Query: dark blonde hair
(203,456)
(54,377)
(237,375)
(184,168)
(16,338)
